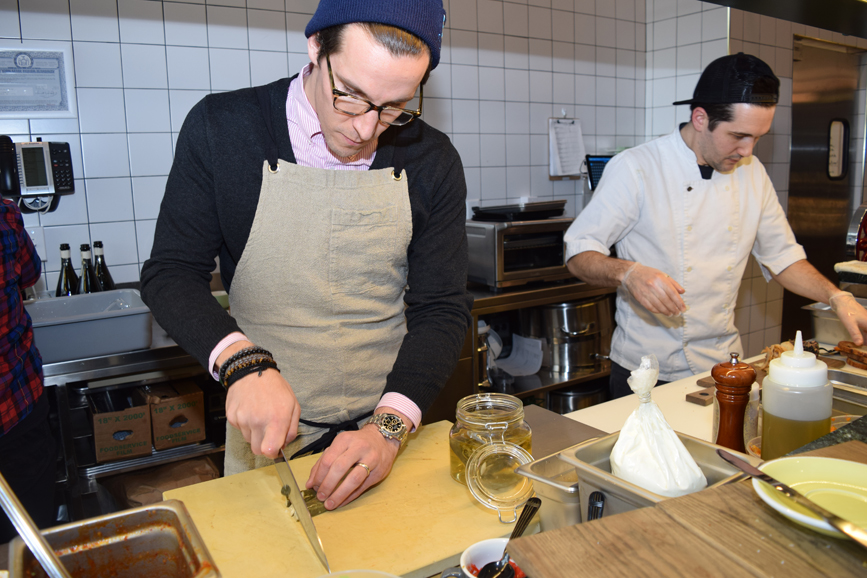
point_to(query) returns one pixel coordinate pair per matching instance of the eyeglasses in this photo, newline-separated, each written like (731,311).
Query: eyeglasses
(355,106)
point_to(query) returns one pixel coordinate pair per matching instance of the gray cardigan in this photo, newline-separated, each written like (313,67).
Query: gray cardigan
(208,209)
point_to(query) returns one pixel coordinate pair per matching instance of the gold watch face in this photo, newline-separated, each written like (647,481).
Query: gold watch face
(391,423)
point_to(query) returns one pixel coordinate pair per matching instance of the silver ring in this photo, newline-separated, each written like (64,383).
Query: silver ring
(365,466)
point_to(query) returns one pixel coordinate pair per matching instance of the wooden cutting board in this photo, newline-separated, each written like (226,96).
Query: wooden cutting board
(725,531)
(414,524)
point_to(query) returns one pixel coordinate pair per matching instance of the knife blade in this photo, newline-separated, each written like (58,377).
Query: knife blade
(297,499)
(855,532)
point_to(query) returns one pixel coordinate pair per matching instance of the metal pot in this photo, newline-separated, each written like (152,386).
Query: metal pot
(571,399)
(575,334)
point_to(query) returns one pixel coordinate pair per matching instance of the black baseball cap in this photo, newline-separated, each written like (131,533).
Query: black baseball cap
(731,79)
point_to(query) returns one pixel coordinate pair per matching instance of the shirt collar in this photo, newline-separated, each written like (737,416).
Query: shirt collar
(687,154)
(305,117)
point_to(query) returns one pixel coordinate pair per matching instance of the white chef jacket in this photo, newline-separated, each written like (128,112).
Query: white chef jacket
(653,205)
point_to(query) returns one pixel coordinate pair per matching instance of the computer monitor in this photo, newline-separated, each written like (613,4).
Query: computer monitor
(595,166)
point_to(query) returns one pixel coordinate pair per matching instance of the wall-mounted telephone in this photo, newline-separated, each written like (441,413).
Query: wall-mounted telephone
(35,169)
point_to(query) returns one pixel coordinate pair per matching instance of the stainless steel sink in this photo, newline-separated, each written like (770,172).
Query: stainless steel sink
(850,392)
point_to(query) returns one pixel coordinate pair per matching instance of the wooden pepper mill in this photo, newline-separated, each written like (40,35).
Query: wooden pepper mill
(733,380)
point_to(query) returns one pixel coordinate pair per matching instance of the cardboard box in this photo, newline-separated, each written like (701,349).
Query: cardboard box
(146,487)
(121,424)
(177,413)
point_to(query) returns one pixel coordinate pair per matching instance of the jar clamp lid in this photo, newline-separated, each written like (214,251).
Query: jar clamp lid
(493,479)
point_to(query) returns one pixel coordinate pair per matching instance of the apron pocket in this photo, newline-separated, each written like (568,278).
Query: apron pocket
(365,255)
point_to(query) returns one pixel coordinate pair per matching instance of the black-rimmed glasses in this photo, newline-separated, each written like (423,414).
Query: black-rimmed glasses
(355,106)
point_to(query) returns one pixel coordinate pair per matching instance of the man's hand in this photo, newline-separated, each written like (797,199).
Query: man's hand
(851,314)
(655,290)
(366,446)
(265,410)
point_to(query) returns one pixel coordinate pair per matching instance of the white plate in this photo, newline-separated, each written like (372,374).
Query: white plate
(839,486)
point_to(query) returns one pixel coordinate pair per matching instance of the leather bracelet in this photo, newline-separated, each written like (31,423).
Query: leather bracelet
(246,361)
(245,371)
(238,355)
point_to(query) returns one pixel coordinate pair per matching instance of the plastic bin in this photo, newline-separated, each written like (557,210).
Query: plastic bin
(91,325)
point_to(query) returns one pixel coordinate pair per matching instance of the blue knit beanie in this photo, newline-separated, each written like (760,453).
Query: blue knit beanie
(423,18)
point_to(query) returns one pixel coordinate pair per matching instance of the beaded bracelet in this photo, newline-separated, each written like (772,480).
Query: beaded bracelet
(246,361)
(245,371)
(238,355)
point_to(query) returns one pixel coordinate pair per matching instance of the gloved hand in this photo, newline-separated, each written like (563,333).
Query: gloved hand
(850,312)
(655,290)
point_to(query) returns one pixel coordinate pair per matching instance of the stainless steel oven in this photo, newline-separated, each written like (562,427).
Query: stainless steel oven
(508,253)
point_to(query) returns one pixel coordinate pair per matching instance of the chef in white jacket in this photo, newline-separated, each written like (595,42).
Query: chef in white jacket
(684,212)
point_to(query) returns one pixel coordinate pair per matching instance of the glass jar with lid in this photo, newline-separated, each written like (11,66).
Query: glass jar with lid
(488,442)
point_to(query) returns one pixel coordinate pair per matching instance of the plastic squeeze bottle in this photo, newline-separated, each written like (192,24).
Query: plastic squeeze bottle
(796,401)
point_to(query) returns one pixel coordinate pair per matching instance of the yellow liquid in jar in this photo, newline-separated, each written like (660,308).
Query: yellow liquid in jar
(781,435)
(463,443)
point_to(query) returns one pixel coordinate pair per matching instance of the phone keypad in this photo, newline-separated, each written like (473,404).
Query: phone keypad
(61,165)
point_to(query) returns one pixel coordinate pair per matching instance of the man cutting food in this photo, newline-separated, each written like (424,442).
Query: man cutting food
(338,217)
(685,211)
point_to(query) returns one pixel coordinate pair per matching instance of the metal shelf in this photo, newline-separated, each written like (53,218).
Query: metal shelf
(156,458)
(546,381)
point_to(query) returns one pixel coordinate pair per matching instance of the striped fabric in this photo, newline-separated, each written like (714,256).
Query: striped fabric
(20,362)
(305,132)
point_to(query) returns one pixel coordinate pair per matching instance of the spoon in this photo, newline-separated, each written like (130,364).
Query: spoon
(502,568)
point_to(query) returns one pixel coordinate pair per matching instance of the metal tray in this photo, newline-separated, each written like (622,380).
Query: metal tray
(156,540)
(591,460)
(520,212)
(850,391)
(557,483)
(827,327)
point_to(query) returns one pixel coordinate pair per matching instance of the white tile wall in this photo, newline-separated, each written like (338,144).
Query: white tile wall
(507,65)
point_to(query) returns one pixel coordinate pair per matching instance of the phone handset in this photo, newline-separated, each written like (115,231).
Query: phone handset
(10,184)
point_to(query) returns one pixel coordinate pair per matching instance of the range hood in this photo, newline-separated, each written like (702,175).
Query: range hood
(845,16)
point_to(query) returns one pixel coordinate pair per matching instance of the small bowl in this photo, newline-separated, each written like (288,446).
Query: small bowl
(754,447)
(481,553)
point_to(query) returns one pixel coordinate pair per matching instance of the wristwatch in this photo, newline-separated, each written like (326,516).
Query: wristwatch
(390,426)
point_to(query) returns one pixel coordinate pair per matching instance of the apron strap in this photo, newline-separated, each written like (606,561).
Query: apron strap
(333,429)
(397,159)
(265,106)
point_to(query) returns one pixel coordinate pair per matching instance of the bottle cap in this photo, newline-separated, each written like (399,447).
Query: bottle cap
(85,247)
(64,246)
(97,244)
(798,368)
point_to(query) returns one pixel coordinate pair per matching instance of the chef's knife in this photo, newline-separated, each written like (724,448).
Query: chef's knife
(856,533)
(301,512)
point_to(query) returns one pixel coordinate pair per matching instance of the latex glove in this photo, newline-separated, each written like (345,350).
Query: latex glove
(655,290)
(266,411)
(851,314)
(340,462)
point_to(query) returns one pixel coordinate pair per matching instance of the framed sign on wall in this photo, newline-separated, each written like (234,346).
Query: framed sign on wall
(36,81)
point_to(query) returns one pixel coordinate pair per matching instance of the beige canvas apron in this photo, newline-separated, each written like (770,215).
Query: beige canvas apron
(320,284)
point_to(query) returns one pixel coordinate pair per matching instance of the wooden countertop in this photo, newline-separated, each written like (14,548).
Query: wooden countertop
(725,531)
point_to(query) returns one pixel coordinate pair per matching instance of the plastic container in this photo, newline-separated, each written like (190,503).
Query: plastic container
(487,443)
(92,325)
(797,401)
(591,460)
